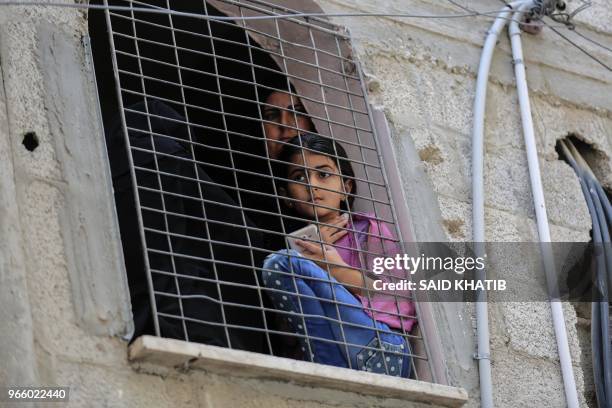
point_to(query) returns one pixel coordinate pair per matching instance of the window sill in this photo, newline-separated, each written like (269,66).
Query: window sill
(182,354)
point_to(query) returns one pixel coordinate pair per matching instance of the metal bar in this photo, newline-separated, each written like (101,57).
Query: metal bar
(246,286)
(362,260)
(231,42)
(233,206)
(225,243)
(132,172)
(431,343)
(246,172)
(264,309)
(163,201)
(325,88)
(436,373)
(195,168)
(293,274)
(286,10)
(229,59)
(242,266)
(257,329)
(263,131)
(225,19)
(235,284)
(331,132)
(218,83)
(204,53)
(228,114)
(242,81)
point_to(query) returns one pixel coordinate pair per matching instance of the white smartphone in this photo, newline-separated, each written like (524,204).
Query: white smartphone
(308,233)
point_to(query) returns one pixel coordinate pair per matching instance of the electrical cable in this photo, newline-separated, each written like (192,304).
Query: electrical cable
(602,195)
(470,10)
(539,203)
(470,13)
(599,315)
(566,19)
(600,209)
(161,10)
(590,39)
(604,285)
(478,218)
(585,5)
(595,308)
(603,207)
(578,46)
(461,6)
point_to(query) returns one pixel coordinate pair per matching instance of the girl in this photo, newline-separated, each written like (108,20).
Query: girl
(320,289)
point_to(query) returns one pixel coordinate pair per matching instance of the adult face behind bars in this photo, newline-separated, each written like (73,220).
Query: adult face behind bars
(284,117)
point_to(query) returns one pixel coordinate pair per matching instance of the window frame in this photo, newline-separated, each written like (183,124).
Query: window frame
(384,147)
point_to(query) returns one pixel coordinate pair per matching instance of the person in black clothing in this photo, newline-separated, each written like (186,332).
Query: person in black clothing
(200,245)
(188,222)
(283,117)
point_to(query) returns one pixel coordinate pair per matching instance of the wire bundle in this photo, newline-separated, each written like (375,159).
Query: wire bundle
(601,215)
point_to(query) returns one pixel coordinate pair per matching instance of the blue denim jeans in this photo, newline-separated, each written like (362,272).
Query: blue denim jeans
(336,328)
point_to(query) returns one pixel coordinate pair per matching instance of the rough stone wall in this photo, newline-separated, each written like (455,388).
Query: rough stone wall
(64,304)
(51,333)
(423,72)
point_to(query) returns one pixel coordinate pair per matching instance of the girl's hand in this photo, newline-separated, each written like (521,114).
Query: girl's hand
(328,258)
(333,232)
(325,256)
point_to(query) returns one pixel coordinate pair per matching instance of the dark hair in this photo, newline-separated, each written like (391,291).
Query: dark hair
(270,81)
(316,144)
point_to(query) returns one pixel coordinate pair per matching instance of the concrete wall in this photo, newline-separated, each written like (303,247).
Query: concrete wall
(64,305)
(62,289)
(423,72)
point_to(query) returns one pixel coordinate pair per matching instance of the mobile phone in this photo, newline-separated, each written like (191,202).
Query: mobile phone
(308,233)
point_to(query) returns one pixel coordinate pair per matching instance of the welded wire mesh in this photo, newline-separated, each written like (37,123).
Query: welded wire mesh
(206,108)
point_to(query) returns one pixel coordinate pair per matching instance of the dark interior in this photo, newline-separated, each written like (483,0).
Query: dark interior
(216,124)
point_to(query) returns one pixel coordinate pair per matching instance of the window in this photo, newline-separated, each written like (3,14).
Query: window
(200,114)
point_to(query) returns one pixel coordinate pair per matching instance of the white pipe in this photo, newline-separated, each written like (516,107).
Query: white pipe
(540,209)
(482,314)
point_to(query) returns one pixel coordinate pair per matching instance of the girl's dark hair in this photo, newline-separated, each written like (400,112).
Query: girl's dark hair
(316,144)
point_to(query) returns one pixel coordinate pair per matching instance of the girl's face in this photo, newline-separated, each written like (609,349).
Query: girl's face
(283,120)
(323,190)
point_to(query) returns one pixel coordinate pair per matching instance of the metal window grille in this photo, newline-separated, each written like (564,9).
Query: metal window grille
(190,158)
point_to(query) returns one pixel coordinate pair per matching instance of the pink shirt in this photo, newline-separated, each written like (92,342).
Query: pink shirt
(375,237)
